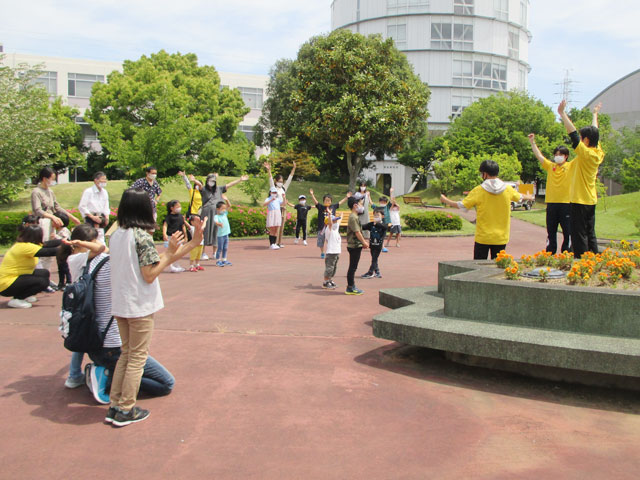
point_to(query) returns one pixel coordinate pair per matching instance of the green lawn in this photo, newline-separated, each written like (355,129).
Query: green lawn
(617,222)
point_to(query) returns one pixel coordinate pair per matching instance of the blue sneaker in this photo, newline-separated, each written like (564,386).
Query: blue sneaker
(99,379)
(219,263)
(227,264)
(322,255)
(384,249)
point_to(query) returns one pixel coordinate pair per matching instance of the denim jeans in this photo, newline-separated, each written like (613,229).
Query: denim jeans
(75,368)
(223,245)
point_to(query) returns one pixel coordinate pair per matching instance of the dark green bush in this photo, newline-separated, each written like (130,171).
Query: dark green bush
(9,223)
(432,221)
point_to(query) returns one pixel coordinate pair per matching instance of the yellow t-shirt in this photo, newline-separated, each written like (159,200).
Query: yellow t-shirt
(583,183)
(558,181)
(19,260)
(197,201)
(493,222)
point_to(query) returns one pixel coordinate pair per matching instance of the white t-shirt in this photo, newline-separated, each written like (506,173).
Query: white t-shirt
(76,263)
(394,215)
(333,239)
(132,296)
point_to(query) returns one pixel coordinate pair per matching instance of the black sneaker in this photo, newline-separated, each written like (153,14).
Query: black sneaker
(367,275)
(136,414)
(353,291)
(332,283)
(111,414)
(326,285)
(378,275)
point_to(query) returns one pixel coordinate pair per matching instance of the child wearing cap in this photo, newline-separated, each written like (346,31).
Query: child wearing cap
(302,210)
(333,244)
(274,217)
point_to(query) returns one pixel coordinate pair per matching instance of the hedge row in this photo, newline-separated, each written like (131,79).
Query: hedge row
(432,221)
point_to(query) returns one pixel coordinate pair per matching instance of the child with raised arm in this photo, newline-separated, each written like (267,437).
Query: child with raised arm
(274,217)
(394,216)
(557,194)
(333,249)
(281,188)
(492,201)
(377,230)
(327,200)
(583,196)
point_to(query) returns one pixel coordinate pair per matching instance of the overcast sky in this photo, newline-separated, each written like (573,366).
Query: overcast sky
(598,41)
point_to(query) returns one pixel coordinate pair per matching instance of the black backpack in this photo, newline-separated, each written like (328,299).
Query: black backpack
(78,316)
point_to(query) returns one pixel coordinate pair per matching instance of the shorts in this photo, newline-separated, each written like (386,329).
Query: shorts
(395,229)
(320,241)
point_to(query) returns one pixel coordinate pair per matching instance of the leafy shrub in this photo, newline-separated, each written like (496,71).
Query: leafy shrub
(9,222)
(432,221)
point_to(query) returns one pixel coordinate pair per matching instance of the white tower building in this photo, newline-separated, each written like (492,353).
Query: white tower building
(463,49)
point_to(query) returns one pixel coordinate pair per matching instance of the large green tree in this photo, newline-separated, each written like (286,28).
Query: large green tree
(345,93)
(500,124)
(30,129)
(166,110)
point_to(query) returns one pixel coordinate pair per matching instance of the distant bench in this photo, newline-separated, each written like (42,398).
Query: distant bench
(345,218)
(413,201)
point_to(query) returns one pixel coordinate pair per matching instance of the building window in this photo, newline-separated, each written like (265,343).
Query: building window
(523,13)
(447,36)
(481,72)
(88,133)
(522,80)
(252,97)
(501,8)
(463,7)
(399,34)
(248,131)
(80,84)
(459,101)
(49,80)
(514,44)
(398,7)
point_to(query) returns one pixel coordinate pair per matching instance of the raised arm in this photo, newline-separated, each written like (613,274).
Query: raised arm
(596,111)
(345,198)
(243,178)
(267,167)
(185,179)
(449,202)
(536,150)
(568,124)
(313,197)
(288,182)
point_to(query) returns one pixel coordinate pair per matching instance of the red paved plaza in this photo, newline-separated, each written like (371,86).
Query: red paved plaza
(279,379)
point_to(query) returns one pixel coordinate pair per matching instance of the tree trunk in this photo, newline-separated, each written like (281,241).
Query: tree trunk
(353,165)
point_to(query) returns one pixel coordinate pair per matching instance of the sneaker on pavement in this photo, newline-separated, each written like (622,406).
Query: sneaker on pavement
(111,414)
(32,299)
(219,263)
(50,289)
(322,255)
(199,268)
(378,275)
(175,269)
(333,284)
(136,414)
(204,256)
(274,247)
(304,242)
(280,245)
(99,379)
(353,291)
(87,376)
(193,269)
(17,303)
(326,285)
(367,275)
(296,241)
(74,382)
(227,264)
(384,249)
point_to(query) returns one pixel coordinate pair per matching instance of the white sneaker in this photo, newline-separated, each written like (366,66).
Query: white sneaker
(274,247)
(280,246)
(304,242)
(296,241)
(17,303)
(175,269)
(32,299)
(204,256)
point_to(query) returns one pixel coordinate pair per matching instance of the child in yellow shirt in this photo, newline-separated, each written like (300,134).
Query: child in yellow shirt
(492,201)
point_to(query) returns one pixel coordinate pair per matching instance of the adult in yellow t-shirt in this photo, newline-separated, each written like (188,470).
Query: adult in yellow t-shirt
(19,277)
(557,194)
(492,201)
(582,192)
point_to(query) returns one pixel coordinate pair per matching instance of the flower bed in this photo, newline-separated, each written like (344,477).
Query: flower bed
(617,266)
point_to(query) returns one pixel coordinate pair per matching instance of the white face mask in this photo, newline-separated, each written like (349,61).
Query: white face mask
(303,202)
(178,210)
(152,176)
(279,184)
(377,219)
(559,159)
(211,183)
(362,189)
(102,184)
(52,183)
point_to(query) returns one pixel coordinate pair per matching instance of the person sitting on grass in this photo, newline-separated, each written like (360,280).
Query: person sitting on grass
(355,243)
(19,277)
(557,194)
(583,196)
(492,201)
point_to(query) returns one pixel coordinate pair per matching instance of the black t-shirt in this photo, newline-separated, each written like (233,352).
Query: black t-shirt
(302,212)
(174,222)
(378,231)
(322,212)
